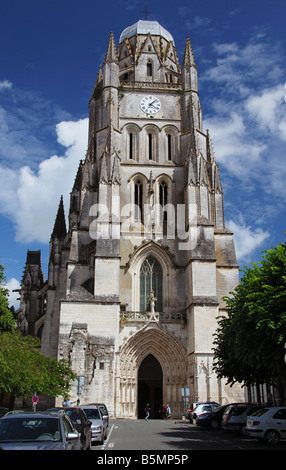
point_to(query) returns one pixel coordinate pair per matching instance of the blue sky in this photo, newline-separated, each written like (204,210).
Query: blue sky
(50,53)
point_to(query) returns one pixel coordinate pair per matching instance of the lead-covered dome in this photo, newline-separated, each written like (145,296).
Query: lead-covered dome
(146,27)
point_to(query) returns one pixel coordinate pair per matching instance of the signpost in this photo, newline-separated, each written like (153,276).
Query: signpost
(185,396)
(35,400)
(80,381)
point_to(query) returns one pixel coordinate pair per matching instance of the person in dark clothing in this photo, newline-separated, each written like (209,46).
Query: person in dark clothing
(147,412)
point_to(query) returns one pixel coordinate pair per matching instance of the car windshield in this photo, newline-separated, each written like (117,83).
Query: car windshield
(218,409)
(29,429)
(92,413)
(207,408)
(74,416)
(103,408)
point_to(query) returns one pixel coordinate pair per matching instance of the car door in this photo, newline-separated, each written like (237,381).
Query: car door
(279,419)
(86,423)
(104,422)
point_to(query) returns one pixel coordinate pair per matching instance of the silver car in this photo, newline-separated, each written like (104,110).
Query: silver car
(235,416)
(38,431)
(98,424)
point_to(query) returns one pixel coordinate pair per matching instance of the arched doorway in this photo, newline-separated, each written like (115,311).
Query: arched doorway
(150,386)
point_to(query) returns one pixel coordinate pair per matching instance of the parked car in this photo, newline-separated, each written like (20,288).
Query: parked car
(3,411)
(268,424)
(81,423)
(12,412)
(235,416)
(98,424)
(104,411)
(194,405)
(201,407)
(211,419)
(38,431)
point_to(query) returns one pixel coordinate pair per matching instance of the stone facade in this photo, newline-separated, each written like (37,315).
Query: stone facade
(135,283)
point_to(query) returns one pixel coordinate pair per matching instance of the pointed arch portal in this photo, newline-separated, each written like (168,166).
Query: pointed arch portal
(150,387)
(153,368)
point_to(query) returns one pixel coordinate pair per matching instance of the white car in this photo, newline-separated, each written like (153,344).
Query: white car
(268,424)
(203,408)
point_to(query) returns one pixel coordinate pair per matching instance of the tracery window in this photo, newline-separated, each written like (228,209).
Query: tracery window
(150,280)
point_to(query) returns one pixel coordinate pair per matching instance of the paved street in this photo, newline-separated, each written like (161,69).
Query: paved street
(174,435)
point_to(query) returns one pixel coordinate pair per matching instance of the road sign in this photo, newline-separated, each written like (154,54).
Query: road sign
(35,399)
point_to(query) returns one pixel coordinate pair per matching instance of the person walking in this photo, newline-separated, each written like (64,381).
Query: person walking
(168,412)
(147,412)
(164,411)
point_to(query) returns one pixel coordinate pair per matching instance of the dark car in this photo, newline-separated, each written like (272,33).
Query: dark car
(104,411)
(3,411)
(80,422)
(212,419)
(38,431)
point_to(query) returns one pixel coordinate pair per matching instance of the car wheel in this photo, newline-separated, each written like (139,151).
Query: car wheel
(214,425)
(242,430)
(271,437)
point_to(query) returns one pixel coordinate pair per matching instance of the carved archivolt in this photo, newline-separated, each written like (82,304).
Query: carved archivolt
(153,339)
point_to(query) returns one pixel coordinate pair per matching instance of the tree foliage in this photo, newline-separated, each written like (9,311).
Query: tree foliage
(7,320)
(24,370)
(250,341)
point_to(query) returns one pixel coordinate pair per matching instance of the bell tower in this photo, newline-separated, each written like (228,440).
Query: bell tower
(139,275)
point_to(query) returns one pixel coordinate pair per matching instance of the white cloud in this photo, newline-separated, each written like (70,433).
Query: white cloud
(243,69)
(247,123)
(5,85)
(233,148)
(30,199)
(27,126)
(247,239)
(269,109)
(13,284)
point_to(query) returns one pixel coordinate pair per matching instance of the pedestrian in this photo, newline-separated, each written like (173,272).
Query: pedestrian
(147,412)
(164,411)
(67,402)
(168,412)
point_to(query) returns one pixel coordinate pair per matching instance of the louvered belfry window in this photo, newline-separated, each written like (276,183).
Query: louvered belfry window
(138,200)
(150,279)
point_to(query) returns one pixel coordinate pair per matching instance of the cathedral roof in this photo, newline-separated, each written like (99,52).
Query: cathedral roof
(146,27)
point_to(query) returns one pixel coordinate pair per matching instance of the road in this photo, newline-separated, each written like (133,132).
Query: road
(172,435)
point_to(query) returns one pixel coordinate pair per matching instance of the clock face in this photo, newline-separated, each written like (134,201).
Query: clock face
(150,104)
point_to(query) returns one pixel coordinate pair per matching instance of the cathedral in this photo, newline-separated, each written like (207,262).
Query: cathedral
(138,270)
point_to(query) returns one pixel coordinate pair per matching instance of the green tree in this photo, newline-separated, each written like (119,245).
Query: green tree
(23,368)
(250,341)
(7,320)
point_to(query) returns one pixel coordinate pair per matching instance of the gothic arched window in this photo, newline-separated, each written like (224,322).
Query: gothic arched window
(138,200)
(169,146)
(163,200)
(131,145)
(150,280)
(149,69)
